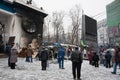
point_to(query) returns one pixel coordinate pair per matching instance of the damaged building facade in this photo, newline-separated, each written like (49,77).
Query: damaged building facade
(20,22)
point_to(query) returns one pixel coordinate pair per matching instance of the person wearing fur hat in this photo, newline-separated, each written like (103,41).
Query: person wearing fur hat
(77,59)
(44,58)
(13,57)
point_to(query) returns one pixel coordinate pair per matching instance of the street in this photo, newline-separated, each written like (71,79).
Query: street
(32,71)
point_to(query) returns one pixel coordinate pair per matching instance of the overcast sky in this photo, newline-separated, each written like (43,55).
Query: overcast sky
(90,7)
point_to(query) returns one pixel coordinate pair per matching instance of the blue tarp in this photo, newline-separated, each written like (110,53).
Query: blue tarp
(57,44)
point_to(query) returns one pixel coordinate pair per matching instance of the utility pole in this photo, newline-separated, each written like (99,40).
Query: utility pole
(48,31)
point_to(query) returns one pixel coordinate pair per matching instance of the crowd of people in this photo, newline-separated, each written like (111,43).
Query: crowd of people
(45,54)
(110,58)
(105,57)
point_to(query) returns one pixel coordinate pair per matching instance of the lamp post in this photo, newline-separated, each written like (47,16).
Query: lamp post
(48,31)
(39,39)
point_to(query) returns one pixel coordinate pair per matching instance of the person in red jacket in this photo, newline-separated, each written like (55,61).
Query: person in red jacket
(90,55)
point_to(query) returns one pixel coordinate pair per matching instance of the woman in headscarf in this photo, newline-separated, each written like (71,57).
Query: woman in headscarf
(13,57)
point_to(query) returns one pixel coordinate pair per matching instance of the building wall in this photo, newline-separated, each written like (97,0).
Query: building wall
(12,27)
(12,16)
(113,22)
(8,27)
(16,28)
(102,32)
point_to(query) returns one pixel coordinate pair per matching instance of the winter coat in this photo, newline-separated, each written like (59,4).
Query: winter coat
(90,55)
(108,56)
(44,55)
(95,57)
(76,56)
(23,53)
(8,49)
(29,52)
(117,56)
(14,55)
(61,53)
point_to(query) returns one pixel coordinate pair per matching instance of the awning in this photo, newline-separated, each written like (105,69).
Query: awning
(7,6)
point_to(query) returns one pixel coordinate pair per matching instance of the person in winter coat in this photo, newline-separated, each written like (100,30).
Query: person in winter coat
(23,52)
(69,52)
(117,60)
(108,57)
(44,58)
(90,55)
(95,59)
(29,54)
(76,58)
(8,51)
(61,54)
(13,57)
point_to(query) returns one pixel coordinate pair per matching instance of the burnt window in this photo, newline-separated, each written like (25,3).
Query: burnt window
(29,25)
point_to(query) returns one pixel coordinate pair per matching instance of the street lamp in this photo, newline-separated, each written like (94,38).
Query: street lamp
(39,39)
(48,31)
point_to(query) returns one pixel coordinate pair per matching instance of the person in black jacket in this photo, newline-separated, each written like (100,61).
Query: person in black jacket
(76,58)
(108,57)
(44,58)
(95,59)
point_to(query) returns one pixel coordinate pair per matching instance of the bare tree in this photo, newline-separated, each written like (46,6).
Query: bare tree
(44,32)
(46,27)
(57,22)
(68,36)
(75,15)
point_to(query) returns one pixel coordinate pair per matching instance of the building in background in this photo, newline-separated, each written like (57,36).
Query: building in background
(89,32)
(113,22)
(102,33)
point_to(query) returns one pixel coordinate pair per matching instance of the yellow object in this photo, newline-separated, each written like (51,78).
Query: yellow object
(82,43)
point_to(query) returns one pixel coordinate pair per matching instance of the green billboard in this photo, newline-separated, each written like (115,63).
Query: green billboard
(113,22)
(113,14)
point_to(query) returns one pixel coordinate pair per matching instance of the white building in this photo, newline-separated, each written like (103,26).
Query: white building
(102,32)
(21,22)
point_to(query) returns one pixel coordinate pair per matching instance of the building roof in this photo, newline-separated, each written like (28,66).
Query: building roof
(23,5)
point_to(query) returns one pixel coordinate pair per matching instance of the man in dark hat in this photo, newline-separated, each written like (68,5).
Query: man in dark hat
(76,58)
(44,58)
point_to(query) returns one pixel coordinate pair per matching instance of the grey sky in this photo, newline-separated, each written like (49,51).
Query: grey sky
(90,7)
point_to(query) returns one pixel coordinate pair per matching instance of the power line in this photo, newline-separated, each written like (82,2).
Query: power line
(99,14)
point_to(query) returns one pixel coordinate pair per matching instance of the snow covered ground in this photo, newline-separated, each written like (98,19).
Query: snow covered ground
(32,71)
